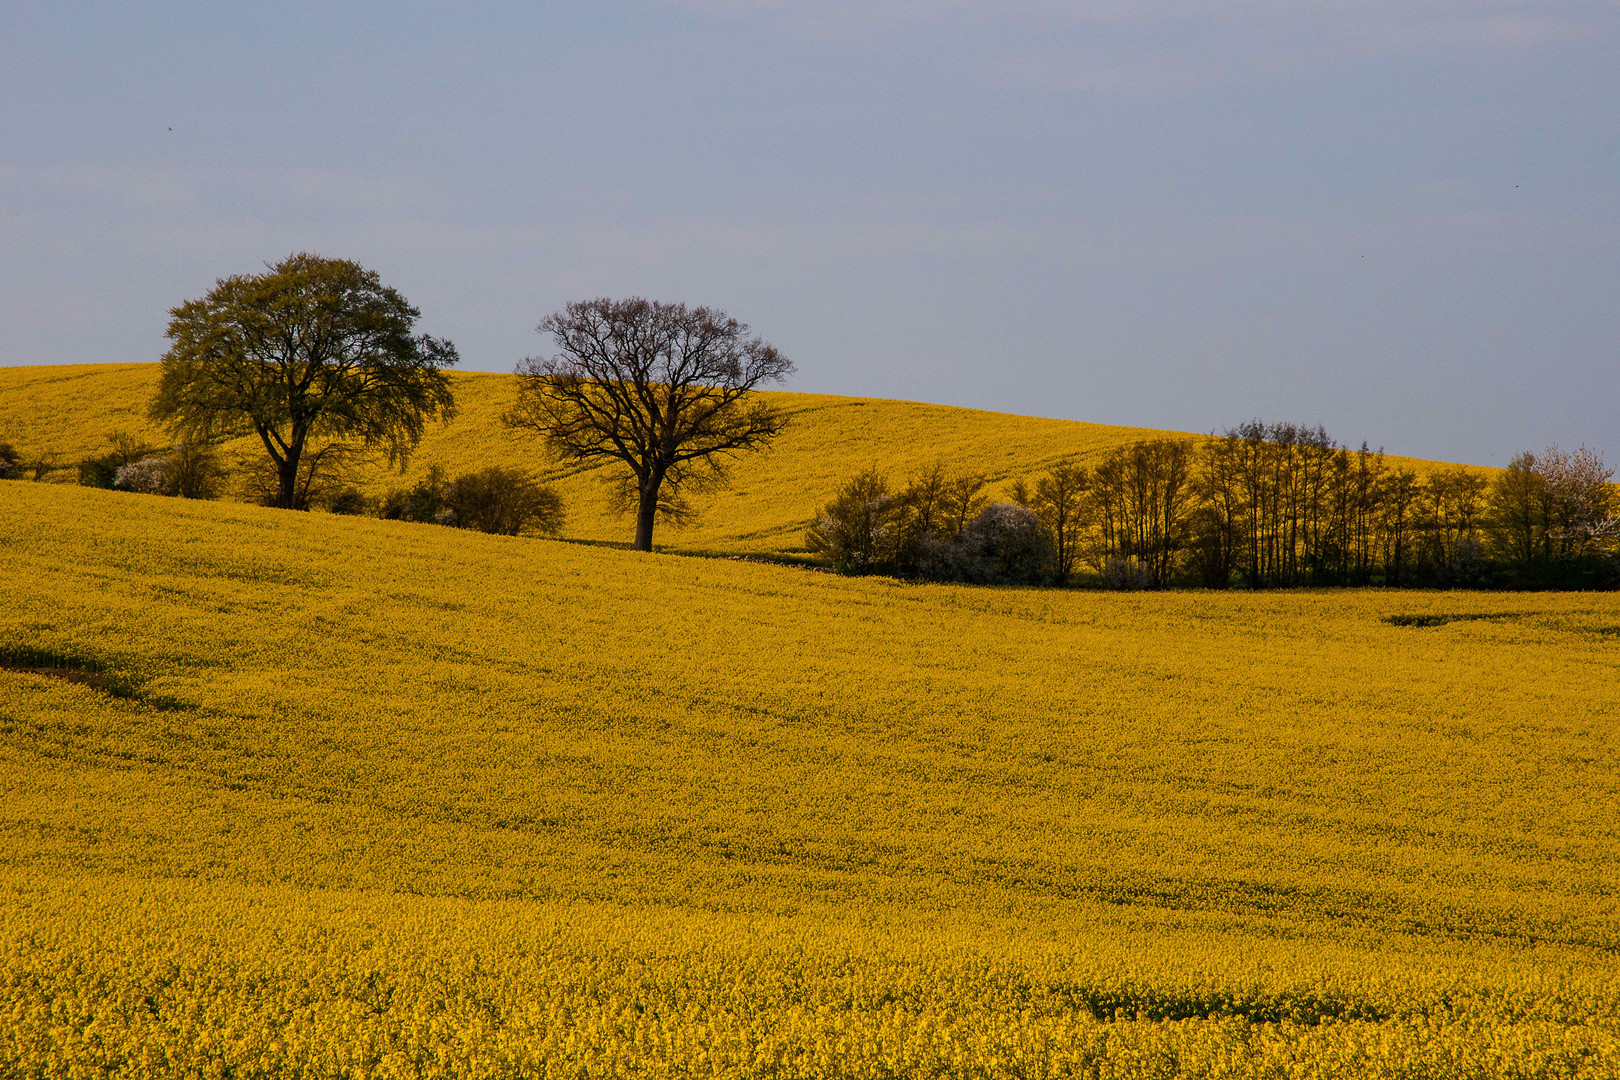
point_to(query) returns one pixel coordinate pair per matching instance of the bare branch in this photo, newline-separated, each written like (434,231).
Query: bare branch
(665,389)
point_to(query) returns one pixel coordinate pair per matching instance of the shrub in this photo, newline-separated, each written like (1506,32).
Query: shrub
(347,501)
(940,527)
(147,476)
(492,500)
(190,471)
(39,465)
(860,529)
(420,503)
(1010,544)
(99,472)
(195,472)
(102,470)
(504,501)
(1003,544)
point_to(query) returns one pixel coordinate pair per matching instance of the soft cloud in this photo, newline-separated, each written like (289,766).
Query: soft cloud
(1313,26)
(1078,70)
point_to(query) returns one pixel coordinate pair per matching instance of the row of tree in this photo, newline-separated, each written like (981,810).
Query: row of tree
(319,362)
(1259,505)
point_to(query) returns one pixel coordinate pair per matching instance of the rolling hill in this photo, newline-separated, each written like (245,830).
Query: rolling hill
(70,410)
(295,794)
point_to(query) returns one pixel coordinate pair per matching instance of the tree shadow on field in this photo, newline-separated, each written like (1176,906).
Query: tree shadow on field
(85,670)
(1432,620)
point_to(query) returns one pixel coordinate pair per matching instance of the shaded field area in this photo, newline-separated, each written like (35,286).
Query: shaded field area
(295,794)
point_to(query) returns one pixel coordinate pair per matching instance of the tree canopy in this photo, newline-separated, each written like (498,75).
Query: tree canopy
(314,350)
(663,389)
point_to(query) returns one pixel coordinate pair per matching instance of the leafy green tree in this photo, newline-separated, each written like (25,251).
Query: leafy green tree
(860,530)
(315,349)
(1518,512)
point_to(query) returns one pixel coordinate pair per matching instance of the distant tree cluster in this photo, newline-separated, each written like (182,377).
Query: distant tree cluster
(941,526)
(1261,505)
(319,361)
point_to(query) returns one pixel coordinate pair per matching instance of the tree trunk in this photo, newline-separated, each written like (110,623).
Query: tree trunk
(287,480)
(646,512)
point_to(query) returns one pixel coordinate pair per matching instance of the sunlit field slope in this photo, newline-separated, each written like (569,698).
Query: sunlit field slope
(70,410)
(365,798)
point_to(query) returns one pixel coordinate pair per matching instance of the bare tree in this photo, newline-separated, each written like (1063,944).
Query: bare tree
(1222,512)
(664,389)
(962,498)
(1142,497)
(1059,502)
(1398,506)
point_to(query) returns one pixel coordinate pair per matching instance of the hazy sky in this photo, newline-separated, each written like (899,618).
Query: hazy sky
(1399,218)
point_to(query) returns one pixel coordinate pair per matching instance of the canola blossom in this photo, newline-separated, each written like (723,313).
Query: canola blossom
(346,797)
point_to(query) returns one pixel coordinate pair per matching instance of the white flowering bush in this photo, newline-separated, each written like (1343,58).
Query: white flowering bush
(148,476)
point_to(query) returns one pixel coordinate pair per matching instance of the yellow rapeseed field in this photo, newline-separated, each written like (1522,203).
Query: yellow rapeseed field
(347,797)
(70,410)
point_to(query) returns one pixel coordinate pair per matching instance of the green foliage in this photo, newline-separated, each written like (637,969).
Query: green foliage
(506,501)
(941,527)
(491,500)
(423,501)
(195,471)
(1554,519)
(1004,544)
(860,530)
(315,349)
(101,470)
(347,501)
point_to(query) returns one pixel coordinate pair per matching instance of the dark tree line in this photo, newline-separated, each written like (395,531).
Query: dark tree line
(940,526)
(1260,505)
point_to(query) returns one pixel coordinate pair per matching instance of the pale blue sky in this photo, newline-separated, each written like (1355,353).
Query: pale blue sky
(1400,219)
